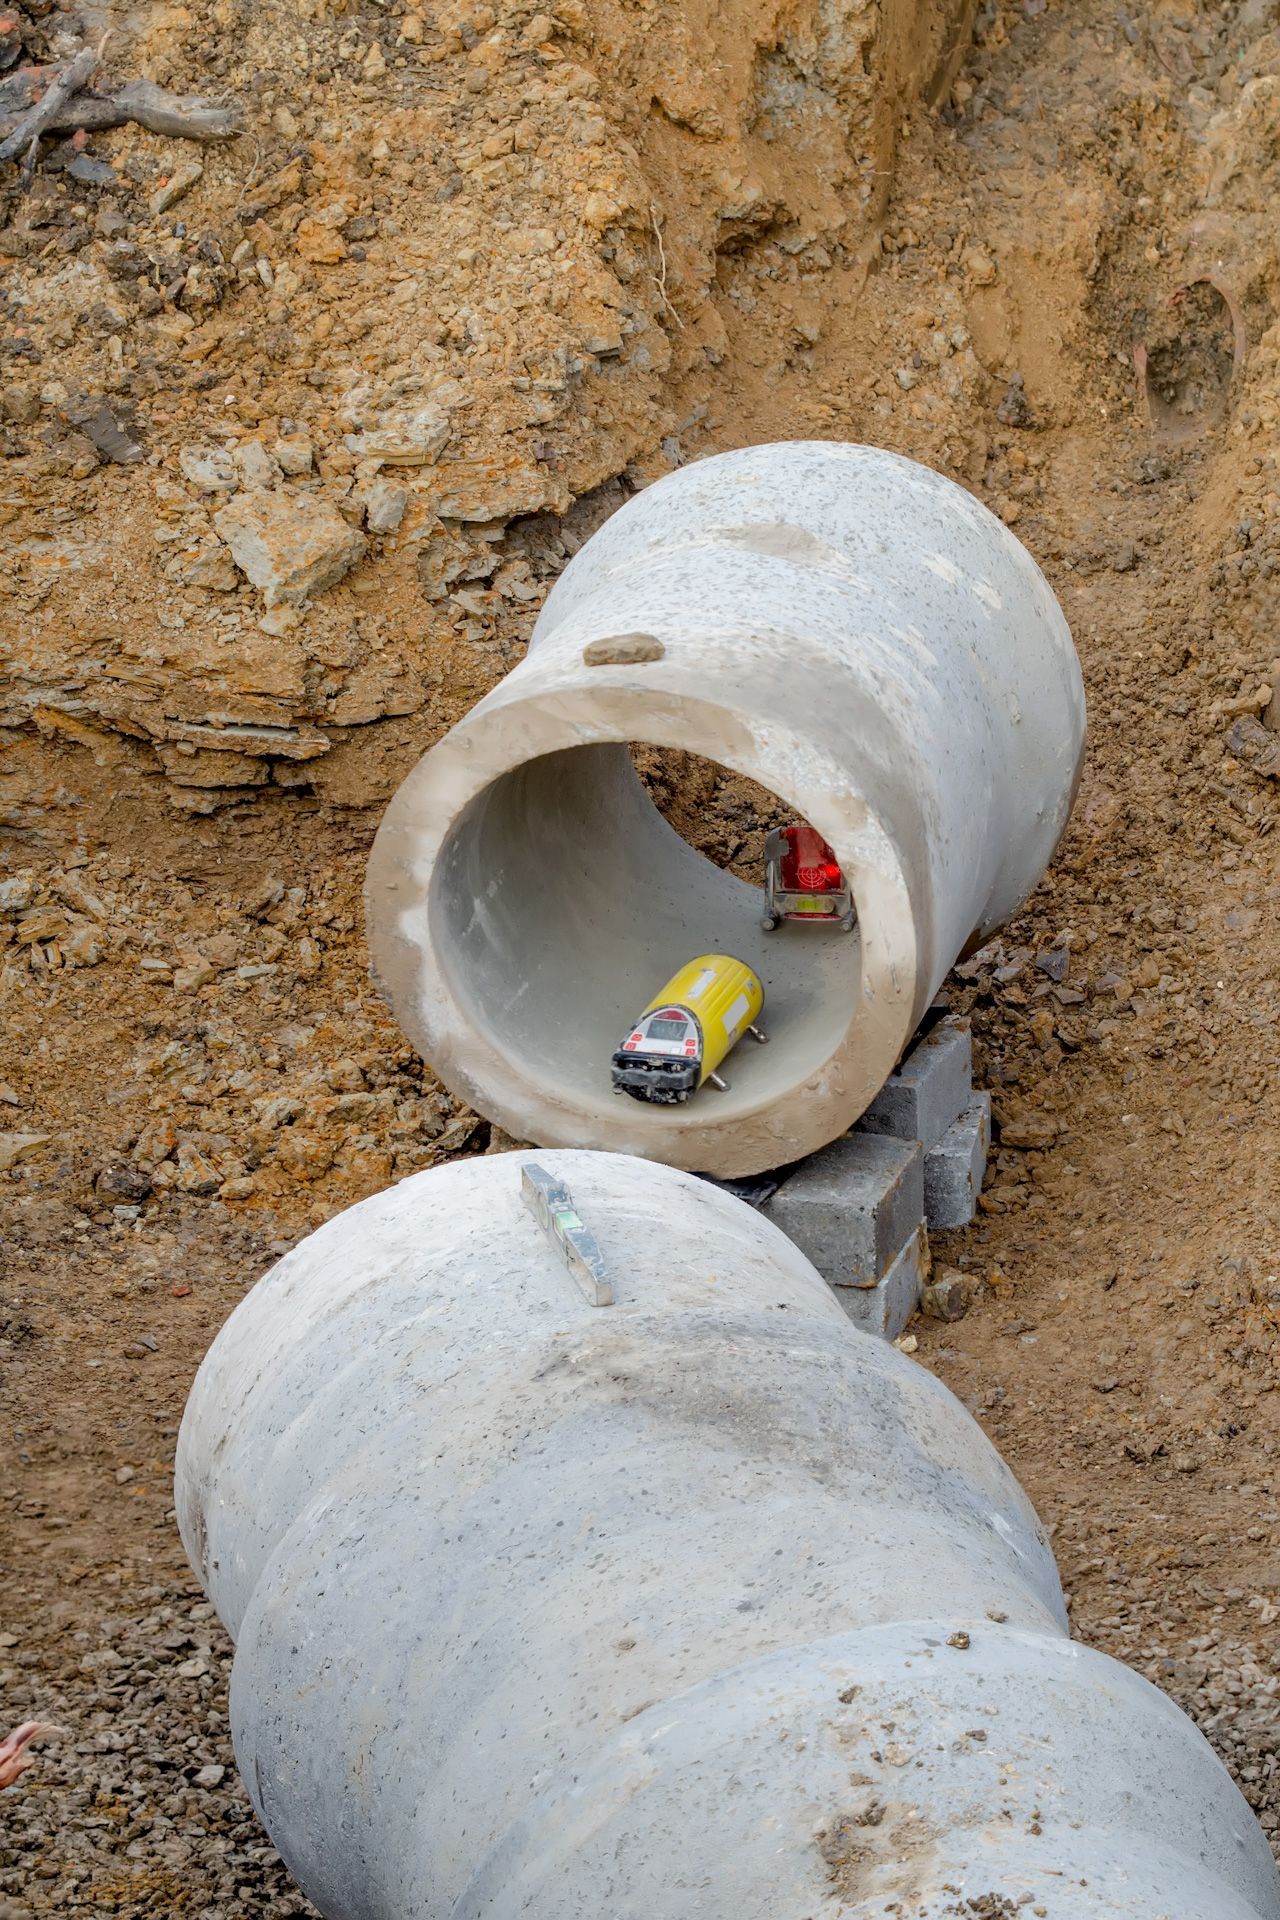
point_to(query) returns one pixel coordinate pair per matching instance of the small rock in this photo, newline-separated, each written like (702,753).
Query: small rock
(107,433)
(958,1639)
(1271,712)
(907,378)
(212,1776)
(1255,746)
(308,958)
(266,892)
(1125,558)
(409,440)
(1054,962)
(320,243)
(255,465)
(384,507)
(457,1133)
(20,404)
(289,545)
(122,1182)
(293,455)
(375,63)
(196,973)
(623,650)
(44,924)
(196,1173)
(77,896)
(124,1475)
(1041,1027)
(304,1155)
(212,469)
(946,1296)
(84,946)
(17,893)
(1020,1127)
(19,1146)
(91,172)
(1014,409)
(279,620)
(979,266)
(180,179)
(278,1109)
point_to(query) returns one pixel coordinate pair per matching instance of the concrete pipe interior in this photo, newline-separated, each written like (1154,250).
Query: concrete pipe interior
(561,903)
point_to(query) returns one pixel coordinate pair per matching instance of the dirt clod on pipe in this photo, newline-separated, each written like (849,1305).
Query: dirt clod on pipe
(695,1605)
(845,627)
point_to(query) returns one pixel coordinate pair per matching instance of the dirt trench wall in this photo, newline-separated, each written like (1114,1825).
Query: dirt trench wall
(284,454)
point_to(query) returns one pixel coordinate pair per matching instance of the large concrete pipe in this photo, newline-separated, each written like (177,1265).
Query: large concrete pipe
(845,627)
(699,1605)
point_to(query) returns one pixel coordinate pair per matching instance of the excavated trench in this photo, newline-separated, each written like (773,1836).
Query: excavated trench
(196,1072)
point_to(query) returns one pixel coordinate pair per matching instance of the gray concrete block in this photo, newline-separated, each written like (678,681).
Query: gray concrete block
(853,1207)
(929,1091)
(954,1169)
(886,1307)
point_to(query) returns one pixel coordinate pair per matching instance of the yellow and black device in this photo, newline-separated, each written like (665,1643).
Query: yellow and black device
(686,1030)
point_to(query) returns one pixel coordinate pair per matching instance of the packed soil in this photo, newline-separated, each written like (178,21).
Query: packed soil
(1035,249)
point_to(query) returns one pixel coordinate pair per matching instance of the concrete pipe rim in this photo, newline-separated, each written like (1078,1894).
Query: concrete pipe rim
(815,1084)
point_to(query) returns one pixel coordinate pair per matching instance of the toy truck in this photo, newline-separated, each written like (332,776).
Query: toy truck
(686,1031)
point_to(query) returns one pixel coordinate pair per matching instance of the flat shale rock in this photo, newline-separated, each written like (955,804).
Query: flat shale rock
(289,545)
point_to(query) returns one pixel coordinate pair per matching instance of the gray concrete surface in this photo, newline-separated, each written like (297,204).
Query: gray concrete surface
(699,1606)
(852,1208)
(954,1169)
(849,629)
(927,1092)
(884,1307)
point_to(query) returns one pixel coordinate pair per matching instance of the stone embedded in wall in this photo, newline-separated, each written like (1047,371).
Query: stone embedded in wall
(290,545)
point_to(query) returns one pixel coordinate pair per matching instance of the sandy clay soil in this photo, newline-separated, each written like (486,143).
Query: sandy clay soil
(1036,249)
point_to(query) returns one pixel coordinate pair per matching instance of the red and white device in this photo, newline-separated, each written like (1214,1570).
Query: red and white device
(803,881)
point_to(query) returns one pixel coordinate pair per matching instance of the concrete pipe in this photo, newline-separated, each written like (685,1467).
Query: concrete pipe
(845,627)
(699,1605)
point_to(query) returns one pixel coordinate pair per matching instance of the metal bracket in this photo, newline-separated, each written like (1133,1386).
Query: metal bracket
(551,1204)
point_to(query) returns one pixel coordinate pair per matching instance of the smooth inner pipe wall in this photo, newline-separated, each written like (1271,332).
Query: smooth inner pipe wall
(700,1606)
(847,628)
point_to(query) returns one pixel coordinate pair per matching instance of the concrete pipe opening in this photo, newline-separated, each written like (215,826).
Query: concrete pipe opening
(576,865)
(841,627)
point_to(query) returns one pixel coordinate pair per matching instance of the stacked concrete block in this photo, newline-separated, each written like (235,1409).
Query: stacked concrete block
(856,1210)
(954,1169)
(859,1209)
(931,1100)
(929,1090)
